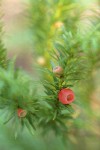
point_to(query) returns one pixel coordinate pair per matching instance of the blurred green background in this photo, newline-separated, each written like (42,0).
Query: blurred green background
(30,40)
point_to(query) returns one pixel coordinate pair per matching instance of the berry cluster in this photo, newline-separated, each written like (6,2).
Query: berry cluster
(66,95)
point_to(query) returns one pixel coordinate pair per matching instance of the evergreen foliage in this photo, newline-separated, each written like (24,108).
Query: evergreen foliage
(58,36)
(2,48)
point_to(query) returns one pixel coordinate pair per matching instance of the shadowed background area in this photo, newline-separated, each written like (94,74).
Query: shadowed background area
(17,36)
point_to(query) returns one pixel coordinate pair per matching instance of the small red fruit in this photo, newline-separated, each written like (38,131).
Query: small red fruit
(58,71)
(66,96)
(21,113)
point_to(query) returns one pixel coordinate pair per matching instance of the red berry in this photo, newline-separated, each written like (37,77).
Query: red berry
(58,71)
(21,112)
(66,96)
